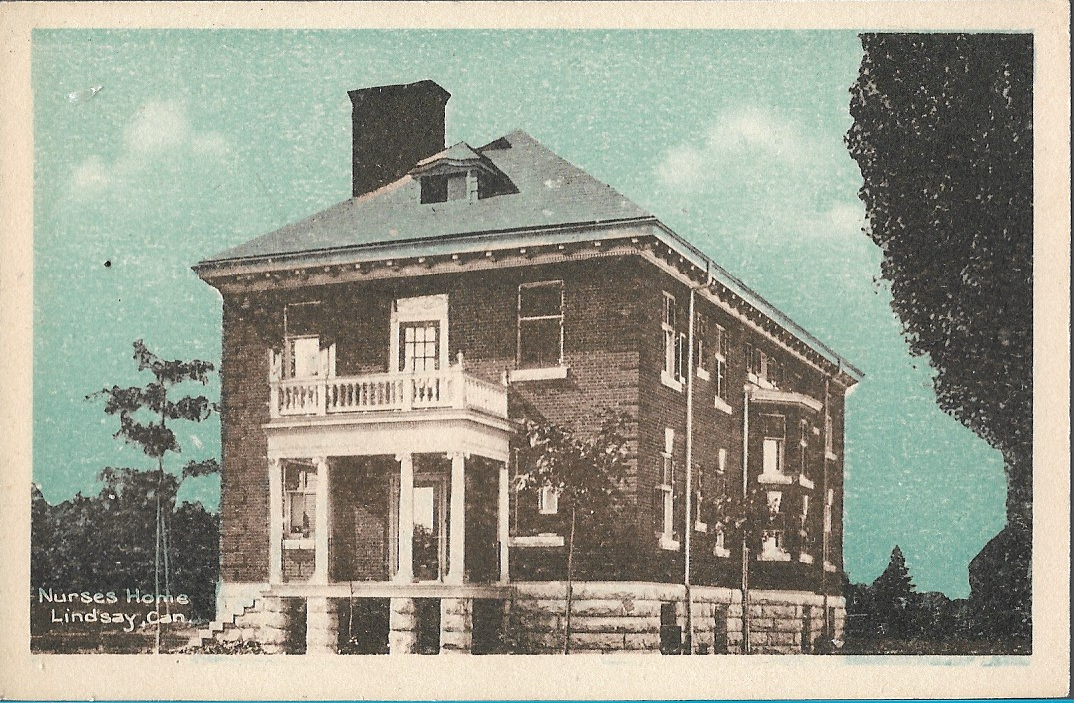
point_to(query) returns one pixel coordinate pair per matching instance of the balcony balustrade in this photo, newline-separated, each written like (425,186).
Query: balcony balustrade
(387,392)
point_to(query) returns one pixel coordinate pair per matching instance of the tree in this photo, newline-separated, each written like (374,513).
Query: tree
(943,136)
(586,471)
(144,413)
(893,596)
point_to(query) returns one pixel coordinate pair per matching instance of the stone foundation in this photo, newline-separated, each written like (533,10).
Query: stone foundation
(605,617)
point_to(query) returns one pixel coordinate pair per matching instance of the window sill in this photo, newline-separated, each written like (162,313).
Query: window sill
(700,527)
(304,543)
(759,382)
(721,552)
(550,373)
(670,382)
(542,540)
(828,566)
(774,556)
(666,542)
(703,374)
(779,479)
(723,406)
(805,482)
(831,456)
(805,558)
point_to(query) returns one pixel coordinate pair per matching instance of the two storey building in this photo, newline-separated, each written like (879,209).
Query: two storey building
(377,359)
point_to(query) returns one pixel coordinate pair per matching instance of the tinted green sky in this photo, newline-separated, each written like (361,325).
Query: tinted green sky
(201,140)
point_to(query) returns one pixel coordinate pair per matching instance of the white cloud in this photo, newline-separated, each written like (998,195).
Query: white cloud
(158,134)
(90,175)
(740,137)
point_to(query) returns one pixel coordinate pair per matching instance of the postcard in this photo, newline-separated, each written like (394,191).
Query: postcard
(725,341)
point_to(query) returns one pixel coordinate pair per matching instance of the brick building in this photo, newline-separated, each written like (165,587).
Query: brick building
(377,357)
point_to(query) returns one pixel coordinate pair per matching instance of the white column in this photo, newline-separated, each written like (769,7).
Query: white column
(457,509)
(406,518)
(504,524)
(275,518)
(320,533)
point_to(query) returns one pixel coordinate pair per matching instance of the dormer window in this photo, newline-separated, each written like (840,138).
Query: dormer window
(440,189)
(459,173)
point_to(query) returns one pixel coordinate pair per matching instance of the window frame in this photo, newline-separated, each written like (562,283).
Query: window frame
(671,375)
(521,319)
(307,478)
(548,500)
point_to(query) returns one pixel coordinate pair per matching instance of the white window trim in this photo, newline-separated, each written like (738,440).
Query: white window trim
(545,539)
(805,558)
(548,373)
(425,308)
(548,500)
(670,337)
(723,406)
(562,333)
(309,543)
(669,543)
(720,550)
(828,566)
(669,381)
(831,456)
(703,373)
(805,482)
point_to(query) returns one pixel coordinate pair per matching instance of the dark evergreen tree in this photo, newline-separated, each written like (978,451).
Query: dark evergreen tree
(894,599)
(943,136)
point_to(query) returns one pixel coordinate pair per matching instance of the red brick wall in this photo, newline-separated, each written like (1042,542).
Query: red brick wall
(613,347)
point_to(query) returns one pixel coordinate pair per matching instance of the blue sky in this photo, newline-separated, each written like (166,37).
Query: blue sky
(200,140)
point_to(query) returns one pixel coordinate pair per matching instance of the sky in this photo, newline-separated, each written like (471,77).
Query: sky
(199,140)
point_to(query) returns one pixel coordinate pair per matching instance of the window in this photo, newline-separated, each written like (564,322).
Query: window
(302,348)
(774,427)
(774,372)
(721,378)
(674,345)
(828,432)
(670,630)
(418,341)
(664,494)
(829,500)
(699,500)
(440,189)
(300,485)
(419,346)
(540,324)
(719,341)
(803,448)
(548,500)
(305,357)
(773,538)
(700,335)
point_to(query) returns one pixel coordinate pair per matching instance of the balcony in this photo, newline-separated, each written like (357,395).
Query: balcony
(445,389)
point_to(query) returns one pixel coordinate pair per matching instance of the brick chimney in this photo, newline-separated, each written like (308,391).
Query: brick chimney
(395,127)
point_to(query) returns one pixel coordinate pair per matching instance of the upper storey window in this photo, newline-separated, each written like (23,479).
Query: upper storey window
(540,324)
(675,350)
(763,369)
(304,356)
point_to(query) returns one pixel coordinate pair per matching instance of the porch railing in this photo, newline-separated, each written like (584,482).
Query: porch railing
(448,388)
